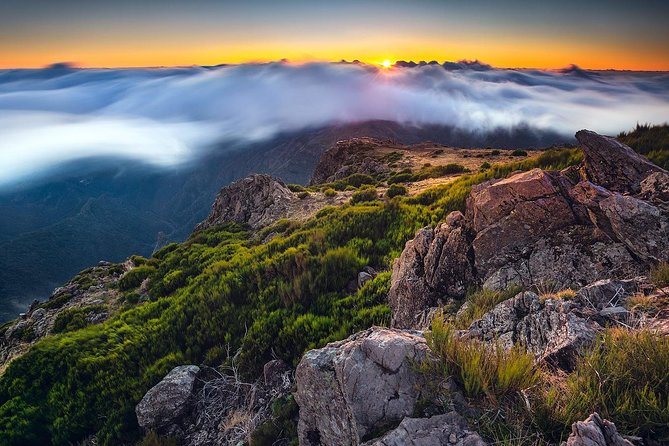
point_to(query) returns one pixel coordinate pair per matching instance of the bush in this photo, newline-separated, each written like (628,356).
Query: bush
(481,370)
(651,141)
(134,277)
(365,194)
(396,189)
(624,378)
(295,187)
(439,171)
(519,152)
(329,192)
(75,318)
(358,179)
(496,152)
(401,177)
(303,195)
(485,166)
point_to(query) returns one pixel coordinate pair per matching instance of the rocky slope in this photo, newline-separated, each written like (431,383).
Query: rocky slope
(541,229)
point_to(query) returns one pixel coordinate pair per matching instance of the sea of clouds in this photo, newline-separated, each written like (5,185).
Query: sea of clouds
(169,116)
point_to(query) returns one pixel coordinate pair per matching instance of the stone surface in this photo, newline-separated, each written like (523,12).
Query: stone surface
(439,430)
(167,401)
(256,201)
(347,157)
(655,187)
(550,329)
(607,293)
(595,431)
(612,164)
(352,388)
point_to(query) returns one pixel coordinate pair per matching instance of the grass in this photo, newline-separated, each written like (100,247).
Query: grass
(625,379)
(482,370)
(659,275)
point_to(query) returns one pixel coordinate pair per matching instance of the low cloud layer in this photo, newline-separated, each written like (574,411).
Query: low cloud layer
(169,116)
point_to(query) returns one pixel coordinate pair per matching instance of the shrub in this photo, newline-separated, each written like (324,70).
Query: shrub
(303,195)
(75,318)
(651,141)
(496,152)
(485,166)
(624,378)
(519,152)
(295,187)
(439,171)
(481,370)
(329,192)
(396,189)
(365,194)
(659,275)
(358,179)
(134,277)
(401,177)
(153,439)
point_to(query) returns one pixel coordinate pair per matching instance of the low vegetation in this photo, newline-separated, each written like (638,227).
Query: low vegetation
(651,141)
(224,290)
(480,302)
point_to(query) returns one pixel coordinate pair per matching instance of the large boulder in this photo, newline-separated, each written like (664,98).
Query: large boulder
(595,431)
(613,165)
(353,388)
(166,402)
(256,201)
(440,430)
(430,267)
(607,293)
(347,157)
(550,329)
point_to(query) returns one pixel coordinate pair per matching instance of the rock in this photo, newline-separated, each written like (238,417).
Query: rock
(612,164)
(256,201)
(167,401)
(550,329)
(433,265)
(363,278)
(606,293)
(439,430)
(595,431)
(273,372)
(655,187)
(347,157)
(614,312)
(351,388)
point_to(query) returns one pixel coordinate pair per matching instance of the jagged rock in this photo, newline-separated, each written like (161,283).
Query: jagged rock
(273,372)
(549,329)
(655,187)
(595,431)
(347,157)
(614,312)
(163,405)
(354,387)
(257,201)
(440,430)
(612,164)
(538,229)
(607,292)
(432,265)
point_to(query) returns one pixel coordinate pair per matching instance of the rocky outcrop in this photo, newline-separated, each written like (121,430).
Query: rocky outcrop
(595,431)
(607,293)
(613,165)
(92,291)
(256,201)
(537,229)
(440,430)
(166,402)
(353,388)
(346,158)
(550,329)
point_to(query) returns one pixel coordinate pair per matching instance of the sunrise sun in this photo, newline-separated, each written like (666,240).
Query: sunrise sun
(386,63)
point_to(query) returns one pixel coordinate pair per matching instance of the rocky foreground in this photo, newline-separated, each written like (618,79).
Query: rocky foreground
(597,230)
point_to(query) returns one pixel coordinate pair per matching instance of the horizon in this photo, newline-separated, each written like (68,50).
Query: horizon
(598,35)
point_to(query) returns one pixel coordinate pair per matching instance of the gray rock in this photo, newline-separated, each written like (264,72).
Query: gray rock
(439,430)
(655,187)
(167,401)
(613,165)
(595,431)
(363,278)
(549,329)
(354,387)
(607,293)
(614,312)
(257,201)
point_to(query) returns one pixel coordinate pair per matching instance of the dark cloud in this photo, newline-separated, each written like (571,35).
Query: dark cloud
(168,116)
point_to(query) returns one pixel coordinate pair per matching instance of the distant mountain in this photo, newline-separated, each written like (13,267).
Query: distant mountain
(106,209)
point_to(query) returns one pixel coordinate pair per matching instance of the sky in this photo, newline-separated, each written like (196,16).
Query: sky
(613,34)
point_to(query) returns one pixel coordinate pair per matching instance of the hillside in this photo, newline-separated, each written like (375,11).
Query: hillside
(497,246)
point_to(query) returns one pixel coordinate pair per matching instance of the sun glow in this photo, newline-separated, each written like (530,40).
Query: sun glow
(386,63)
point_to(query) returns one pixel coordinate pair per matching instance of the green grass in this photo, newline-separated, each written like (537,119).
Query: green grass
(659,275)
(651,141)
(480,302)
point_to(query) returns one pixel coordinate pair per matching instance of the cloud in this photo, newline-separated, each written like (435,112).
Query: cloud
(168,116)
